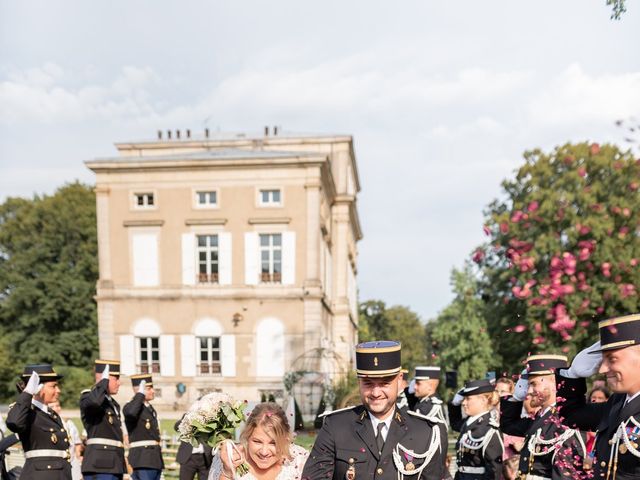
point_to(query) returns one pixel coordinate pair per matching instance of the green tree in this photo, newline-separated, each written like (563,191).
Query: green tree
(459,337)
(377,322)
(618,7)
(48,272)
(563,249)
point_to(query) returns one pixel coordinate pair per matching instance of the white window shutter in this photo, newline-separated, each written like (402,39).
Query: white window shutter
(188,355)
(288,258)
(127,354)
(251,258)
(145,259)
(228,355)
(224,258)
(167,356)
(188,259)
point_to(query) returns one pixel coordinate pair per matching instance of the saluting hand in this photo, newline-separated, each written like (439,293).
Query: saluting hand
(457,399)
(33,385)
(142,386)
(522,385)
(105,372)
(585,364)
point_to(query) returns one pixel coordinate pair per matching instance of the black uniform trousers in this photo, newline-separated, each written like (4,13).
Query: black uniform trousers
(39,430)
(605,419)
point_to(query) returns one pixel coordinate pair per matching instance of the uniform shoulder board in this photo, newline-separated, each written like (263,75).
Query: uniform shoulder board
(86,390)
(326,414)
(429,418)
(436,401)
(12,405)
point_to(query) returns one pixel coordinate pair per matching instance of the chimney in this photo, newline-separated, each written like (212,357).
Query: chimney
(159,134)
(168,134)
(266,131)
(206,133)
(188,133)
(178,134)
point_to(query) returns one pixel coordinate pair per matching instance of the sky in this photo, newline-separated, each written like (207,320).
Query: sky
(442,99)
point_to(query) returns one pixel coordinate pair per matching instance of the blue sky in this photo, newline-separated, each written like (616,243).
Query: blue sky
(442,99)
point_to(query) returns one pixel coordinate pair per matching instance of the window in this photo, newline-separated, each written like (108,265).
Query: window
(143,200)
(271,258)
(270,197)
(207,258)
(209,355)
(207,198)
(149,355)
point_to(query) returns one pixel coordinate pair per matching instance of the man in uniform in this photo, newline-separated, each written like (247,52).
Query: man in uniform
(44,438)
(104,455)
(141,420)
(376,440)
(551,450)
(427,380)
(617,422)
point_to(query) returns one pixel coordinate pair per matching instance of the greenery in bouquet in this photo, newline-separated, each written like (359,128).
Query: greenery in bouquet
(212,420)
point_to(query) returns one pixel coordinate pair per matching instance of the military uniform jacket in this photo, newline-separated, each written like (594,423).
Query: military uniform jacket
(346,444)
(101,419)
(39,430)
(551,449)
(479,447)
(430,406)
(142,424)
(617,428)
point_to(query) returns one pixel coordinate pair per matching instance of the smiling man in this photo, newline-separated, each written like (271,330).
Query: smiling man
(617,355)
(551,450)
(377,440)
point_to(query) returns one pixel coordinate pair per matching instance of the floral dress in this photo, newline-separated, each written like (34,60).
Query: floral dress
(291,469)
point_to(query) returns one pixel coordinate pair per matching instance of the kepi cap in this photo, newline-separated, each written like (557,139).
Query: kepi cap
(545,364)
(378,359)
(44,370)
(426,373)
(114,366)
(136,379)
(619,332)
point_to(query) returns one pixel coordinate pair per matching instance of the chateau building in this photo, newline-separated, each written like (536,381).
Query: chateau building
(224,258)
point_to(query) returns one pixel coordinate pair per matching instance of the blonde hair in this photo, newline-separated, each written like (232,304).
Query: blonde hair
(272,419)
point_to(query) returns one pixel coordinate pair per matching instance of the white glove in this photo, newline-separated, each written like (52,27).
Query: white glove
(457,399)
(105,372)
(522,385)
(412,386)
(585,363)
(33,385)
(141,387)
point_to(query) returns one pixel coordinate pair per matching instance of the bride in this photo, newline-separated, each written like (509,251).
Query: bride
(266,447)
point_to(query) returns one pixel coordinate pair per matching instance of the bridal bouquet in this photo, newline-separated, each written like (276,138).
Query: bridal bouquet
(212,420)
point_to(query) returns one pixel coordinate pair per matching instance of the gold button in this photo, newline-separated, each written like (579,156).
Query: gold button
(49,467)
(379,471)
(603,464)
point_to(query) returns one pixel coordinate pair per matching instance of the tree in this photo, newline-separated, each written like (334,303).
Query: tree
(459,337)
(618,8)
(563,249)
(48,272)
(377,322)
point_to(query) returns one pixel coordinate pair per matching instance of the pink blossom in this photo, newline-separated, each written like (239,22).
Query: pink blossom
(633,262)
(533,206)
(486,230)
(623,232)
(519,328)
(594,149)
(627,290)
(504,227)
(626,212)
(633,186)
(478,255)
(582,172)
(606,269)
(538,340)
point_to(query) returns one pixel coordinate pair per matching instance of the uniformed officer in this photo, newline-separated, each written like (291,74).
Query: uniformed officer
(479,448)
(427,403)
(376,440)
(551,450)
(141,420)
(44,438)
(104,455)
(617,422)
(402,395)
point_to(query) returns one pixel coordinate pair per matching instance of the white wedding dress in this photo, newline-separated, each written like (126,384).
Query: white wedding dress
(291,469)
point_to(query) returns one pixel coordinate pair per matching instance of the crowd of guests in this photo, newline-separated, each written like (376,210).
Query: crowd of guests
(544,426)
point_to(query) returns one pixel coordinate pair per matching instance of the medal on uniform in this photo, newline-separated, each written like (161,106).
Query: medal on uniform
(110,419)
(623,448)
(147,425)
(410,467)
(351,471)
(54,439)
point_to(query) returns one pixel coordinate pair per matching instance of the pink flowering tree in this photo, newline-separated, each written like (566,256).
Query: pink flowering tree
(562,249)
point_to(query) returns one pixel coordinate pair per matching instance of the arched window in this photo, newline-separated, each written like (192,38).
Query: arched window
(269,341)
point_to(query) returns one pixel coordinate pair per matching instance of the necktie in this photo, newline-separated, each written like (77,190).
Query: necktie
(379,437)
